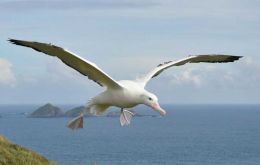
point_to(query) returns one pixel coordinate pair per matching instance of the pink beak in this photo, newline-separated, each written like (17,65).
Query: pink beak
(157,107)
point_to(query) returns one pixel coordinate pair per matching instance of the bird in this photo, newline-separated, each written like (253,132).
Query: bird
(123,94)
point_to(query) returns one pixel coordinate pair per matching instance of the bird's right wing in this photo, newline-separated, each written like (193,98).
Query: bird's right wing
(85,67)
(210,58)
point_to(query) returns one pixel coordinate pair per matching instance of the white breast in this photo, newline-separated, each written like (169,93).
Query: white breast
(127,97)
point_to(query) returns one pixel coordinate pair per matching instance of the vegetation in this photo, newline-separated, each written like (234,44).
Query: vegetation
(13,154)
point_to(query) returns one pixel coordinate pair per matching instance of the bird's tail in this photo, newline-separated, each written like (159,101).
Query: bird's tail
(98,109)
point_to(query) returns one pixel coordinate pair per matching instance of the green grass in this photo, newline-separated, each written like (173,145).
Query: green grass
(13,154)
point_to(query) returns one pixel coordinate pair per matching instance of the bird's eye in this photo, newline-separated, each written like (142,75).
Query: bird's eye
(150,98)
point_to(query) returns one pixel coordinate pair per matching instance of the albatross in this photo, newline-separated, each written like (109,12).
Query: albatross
(123,94)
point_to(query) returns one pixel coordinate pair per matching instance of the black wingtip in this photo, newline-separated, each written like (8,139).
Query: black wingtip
(231,58)
(13,41)
(234,58)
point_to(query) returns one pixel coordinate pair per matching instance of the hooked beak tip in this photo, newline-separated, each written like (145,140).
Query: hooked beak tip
(162,112)
(159,109)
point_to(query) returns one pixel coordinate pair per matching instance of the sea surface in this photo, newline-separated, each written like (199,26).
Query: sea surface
(188,135)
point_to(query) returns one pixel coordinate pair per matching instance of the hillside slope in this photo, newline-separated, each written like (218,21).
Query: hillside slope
(13,154)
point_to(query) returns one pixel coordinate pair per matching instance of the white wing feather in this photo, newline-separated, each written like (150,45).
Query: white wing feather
(85,67)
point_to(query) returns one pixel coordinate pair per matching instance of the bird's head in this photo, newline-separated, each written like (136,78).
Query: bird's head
(151,100)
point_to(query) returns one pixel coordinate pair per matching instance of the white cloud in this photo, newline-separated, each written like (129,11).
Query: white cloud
(188,77)
(6,75)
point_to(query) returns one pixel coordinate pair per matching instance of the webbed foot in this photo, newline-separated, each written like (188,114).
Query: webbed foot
(76,123)
(125,117)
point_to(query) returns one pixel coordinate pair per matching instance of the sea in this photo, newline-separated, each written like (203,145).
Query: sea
(187,135)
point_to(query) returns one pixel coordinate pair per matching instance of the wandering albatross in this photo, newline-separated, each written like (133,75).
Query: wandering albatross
(124,93)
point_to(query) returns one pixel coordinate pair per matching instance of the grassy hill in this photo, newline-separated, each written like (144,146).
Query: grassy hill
(13,154)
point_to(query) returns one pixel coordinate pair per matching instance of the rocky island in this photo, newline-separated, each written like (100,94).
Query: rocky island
(48,110)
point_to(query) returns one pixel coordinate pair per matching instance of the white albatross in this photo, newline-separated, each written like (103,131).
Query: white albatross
(123,94)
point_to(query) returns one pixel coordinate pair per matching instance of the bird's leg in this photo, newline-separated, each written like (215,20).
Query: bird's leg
(125,117)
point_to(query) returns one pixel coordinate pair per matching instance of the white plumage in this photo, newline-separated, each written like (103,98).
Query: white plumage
(124,93)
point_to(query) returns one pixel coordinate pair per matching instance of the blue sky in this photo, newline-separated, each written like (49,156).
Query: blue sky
(126,38)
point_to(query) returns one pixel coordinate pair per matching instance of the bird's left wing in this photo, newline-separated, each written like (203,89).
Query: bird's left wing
(83,66)
(211,58)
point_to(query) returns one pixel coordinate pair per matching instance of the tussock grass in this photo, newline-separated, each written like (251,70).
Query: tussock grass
(13,154)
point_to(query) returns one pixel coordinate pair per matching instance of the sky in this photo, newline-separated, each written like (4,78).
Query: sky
(127,38)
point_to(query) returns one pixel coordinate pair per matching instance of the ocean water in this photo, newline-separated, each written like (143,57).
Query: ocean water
(188,134)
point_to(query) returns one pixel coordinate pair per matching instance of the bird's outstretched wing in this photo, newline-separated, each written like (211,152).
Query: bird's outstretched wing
(87,68)
(210,58)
